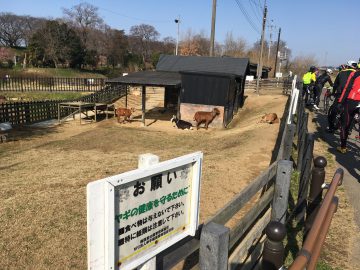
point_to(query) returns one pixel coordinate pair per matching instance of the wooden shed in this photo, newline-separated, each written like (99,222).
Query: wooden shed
(195,83)
(203,91)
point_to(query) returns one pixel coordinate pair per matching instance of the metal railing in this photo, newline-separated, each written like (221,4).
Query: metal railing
(310,252)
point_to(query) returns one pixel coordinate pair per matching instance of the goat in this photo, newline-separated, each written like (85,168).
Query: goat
(270,118)
(126,113)
(206,117)
(181,123)
(2,99)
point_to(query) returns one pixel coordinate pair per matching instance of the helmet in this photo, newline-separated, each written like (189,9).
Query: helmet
(312,69)
(351,63)
(328,70)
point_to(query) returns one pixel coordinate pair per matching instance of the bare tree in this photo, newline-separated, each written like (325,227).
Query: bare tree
(142,37)
(195,44)
(235,48)
(300,64)
(83,16)
(16,30)
(11,33)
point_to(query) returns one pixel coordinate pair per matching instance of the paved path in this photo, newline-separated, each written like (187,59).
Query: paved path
(350,162)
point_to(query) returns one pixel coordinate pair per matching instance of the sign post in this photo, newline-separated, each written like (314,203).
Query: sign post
(135,215)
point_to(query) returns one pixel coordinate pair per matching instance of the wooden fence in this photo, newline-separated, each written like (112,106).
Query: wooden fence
(24,84)
(267,85)
(18,113)
(241,246)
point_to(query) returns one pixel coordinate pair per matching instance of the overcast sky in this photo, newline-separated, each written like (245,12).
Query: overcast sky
(325,29)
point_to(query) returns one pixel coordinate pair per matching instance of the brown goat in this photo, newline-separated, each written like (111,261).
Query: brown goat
(2,99)
(270,118)
(126,113)
(206,117)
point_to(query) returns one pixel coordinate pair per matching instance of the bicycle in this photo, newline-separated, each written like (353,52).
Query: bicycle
(329,99)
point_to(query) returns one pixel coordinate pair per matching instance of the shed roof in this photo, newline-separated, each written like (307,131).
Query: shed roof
(228,65)
(151,78)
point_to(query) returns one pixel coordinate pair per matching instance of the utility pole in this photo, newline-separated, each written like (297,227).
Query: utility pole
(270,41)
(277,51)
(212,37)
(259,67)
(177,21)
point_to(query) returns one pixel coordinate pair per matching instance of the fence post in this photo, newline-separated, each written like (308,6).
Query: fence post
(214,245)
(288,141)
(281,194)
(315,194)
(305,176)
(301,141)
(273,253)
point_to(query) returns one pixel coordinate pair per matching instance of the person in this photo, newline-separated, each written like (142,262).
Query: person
(309,79)
(338,87)
(348,102)
(319,85)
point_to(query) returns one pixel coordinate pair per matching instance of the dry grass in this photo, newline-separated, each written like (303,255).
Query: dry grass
(44,175)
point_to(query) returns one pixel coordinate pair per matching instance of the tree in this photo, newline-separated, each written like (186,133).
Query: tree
(142,37)
(84,17)
(116,47)
(301,64)
(235,48)
(11,34)
(16,30)
(55,44)
(195,44)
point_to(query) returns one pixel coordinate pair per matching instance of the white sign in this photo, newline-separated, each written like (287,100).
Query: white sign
(249,78)
(135,215)
(278,75)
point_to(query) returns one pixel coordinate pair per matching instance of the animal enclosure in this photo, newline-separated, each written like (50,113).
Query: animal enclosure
(44,177)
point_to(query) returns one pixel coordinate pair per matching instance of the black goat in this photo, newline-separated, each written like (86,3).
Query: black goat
(181,123)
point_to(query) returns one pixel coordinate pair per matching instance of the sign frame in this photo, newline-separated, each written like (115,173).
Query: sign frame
(101,212)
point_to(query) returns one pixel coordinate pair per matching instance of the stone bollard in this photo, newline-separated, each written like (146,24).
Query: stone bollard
(315,194)
(273,253)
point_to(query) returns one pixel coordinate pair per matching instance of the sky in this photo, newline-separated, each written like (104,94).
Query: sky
(324,29)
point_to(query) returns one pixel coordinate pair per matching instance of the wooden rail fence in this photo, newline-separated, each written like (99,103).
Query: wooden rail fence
(26,84)
(242,245)
(18,113)
(270,84)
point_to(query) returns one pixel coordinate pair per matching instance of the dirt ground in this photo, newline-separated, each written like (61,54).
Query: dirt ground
(44,173)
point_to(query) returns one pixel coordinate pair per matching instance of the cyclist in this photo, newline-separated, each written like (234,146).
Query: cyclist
(348,102)
(309,79)
(339,84)
(319,85)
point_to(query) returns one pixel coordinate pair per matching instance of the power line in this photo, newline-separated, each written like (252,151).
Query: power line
(255,10)
(134,18)
(247,17)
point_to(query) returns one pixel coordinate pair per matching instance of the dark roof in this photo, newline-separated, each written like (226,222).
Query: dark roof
(227,65)
(151,78)
(213,74)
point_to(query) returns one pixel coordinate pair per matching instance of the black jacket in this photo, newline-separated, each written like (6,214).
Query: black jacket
(322,79)
(340,80)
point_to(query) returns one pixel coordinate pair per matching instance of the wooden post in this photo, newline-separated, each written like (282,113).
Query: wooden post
(143,96)
(214,246)
(145,161)
(301,141)
(286,154)
(281,195)
(126,96)
(305,176)
(59,112)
